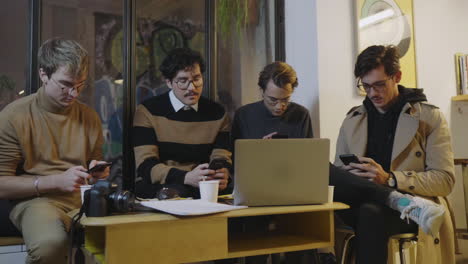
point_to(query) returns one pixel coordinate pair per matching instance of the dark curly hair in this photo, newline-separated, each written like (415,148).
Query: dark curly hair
(280,73)
(180,59)
(374,56)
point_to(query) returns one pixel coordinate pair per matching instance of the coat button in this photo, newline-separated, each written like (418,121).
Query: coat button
(436,241)
(411,187)
(409,173)
(418,154)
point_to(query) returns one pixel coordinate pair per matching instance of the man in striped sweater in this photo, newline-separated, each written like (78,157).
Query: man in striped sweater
(177,133)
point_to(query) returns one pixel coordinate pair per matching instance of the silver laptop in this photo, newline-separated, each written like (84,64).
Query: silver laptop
(281,171)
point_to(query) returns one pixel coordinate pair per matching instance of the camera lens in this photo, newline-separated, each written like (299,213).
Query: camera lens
(122,201)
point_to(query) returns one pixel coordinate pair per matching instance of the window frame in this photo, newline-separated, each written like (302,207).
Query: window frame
(129,24)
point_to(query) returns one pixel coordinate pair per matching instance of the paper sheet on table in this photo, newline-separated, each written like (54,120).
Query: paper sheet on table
(190,207)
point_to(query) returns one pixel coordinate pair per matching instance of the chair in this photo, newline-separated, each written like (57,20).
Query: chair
(347,246)
(401,247)
(8,229)
(11,242)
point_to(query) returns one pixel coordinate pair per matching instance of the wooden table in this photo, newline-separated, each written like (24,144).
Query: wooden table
(163,238)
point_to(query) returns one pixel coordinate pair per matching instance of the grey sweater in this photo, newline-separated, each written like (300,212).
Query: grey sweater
(253,121)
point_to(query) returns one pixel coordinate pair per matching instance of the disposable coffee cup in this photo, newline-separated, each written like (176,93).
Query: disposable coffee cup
(83,188)
(331,189)
(209,191)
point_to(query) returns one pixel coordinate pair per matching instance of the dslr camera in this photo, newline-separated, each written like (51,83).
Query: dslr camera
(104,199)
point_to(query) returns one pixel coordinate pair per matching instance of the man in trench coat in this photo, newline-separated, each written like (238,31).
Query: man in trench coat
(404,143)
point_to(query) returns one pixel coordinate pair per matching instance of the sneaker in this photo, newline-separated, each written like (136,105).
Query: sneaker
(427,214)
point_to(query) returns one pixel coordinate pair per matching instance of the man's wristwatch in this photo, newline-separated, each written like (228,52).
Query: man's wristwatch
(391,181)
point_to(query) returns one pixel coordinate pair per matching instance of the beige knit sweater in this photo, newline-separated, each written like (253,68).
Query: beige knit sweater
(40,137)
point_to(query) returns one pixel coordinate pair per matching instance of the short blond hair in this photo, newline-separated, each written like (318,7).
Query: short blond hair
(58,52)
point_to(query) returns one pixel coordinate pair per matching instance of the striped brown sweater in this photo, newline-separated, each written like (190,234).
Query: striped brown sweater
(168,144)
(40,137)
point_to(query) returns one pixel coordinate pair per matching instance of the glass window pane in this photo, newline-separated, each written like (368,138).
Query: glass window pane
(163,25)
(246,43)
(13,52)
(97,25)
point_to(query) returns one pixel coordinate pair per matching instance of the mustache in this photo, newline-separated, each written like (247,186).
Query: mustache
(190,94)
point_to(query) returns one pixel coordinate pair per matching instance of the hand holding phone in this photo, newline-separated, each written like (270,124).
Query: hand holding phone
(221,172)
(348,158)
(99,167)
(217,164)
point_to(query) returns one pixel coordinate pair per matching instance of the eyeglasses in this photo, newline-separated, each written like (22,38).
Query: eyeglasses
(378,85)
(274,101)
(184,84)
(77,87)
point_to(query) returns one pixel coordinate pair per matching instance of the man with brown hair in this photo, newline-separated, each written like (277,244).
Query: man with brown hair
(47,141)
(276,115)
(404,144)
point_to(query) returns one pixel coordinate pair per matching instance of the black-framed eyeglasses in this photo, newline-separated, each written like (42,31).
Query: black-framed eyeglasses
(184,84)
(272,101)
(378,85)
(70,88)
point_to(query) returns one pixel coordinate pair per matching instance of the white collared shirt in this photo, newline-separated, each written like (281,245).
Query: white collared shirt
(177,104)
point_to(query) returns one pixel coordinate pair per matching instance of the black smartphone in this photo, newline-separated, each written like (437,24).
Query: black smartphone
(217,164)
(99,167)
(348,158)
(279,136)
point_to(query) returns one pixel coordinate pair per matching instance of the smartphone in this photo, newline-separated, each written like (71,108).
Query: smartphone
(279,136)
(348,158)
(217,164)
(99,167)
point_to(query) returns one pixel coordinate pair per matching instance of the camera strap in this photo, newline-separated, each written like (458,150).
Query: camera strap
(74,229)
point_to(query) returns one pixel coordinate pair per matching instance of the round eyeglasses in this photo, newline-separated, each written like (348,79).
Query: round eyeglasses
(378,85)
(272,101)
(184,84)
(70,88)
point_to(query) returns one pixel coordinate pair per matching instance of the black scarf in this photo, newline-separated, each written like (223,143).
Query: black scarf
(381,127)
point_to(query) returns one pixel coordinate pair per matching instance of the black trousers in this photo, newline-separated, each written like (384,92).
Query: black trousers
(354,190)
(372,220)
(373,225)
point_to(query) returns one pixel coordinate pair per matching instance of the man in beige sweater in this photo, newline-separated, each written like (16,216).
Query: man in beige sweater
(47,142)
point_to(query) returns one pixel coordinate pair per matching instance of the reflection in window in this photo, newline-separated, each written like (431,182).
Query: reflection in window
(97,25)
(245,44)
(245,35)
(163,25)
(108,93)
(14,51)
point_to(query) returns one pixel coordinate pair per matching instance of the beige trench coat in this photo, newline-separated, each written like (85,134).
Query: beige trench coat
(422,161)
